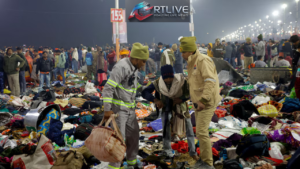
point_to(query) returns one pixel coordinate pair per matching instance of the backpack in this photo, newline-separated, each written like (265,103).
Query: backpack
(294,162)
(89,59)
(69,160)
(83,131)
(231,164)
(253,145)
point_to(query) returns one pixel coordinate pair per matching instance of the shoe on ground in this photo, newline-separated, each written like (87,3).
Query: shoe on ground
(202,165)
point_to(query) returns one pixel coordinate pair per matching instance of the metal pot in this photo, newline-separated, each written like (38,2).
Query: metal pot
(35,116)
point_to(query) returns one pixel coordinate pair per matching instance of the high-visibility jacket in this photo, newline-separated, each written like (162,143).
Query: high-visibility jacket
(118,94)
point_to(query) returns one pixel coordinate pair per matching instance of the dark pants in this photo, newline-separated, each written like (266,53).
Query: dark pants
(110,66)
(1,82)
(233,62)
(178,68)
(22,82)
(239,62)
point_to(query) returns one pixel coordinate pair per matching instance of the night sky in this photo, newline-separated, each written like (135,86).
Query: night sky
(68,23)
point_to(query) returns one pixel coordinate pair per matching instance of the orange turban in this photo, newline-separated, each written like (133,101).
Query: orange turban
(124,52)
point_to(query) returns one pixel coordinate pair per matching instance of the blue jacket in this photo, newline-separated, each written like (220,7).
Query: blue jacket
(89,55)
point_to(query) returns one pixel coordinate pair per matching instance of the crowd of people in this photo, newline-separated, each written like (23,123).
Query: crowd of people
(44,65)
(263,53)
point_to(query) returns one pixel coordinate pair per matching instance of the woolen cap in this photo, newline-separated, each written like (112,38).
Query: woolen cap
(139,51)
(167,71)
(188,44)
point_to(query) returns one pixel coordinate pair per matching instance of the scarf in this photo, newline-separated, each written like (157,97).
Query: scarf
(176,87)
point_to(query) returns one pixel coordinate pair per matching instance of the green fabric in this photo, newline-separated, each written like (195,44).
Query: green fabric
(293,94)
(260,36)
(139,51)
(250,130)
(163,60)
(11,64)
(89,49)
(188,44)
(23,68)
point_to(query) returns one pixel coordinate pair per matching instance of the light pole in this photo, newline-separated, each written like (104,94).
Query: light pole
(297,17)
(282,25)
(192,18)
(117,32)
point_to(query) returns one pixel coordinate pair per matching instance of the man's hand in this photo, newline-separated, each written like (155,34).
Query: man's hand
(159,103)
(177,101)
(200,107)
(107,114)
(17,69)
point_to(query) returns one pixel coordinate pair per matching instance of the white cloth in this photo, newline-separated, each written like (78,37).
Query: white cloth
(168,62)
(75,54)
(176,88)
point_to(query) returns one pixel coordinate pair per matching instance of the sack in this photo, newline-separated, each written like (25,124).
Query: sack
(105,143)
(83,131)
(253,145)
(69,160)
(231,164)
(294,162)
(47,94)
(268,110)
(244,110)
(43,157)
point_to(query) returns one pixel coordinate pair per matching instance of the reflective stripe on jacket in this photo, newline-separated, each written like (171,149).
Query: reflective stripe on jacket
(203,80)
(117,94)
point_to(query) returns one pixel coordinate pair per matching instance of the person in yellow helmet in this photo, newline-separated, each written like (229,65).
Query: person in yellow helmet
(124,53)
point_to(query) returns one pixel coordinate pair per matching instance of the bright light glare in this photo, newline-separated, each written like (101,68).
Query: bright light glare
(275,13)
(283,6)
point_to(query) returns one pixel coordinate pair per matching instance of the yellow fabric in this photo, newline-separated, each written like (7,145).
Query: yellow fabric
(6,91)
(61,102)
(203,80)
(124,52)
(268,110)
(210,52)
(203,119)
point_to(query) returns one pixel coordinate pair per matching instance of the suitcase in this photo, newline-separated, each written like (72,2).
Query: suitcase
(270,74)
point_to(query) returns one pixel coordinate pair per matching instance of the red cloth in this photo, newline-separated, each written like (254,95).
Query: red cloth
(181,147)
(111,57)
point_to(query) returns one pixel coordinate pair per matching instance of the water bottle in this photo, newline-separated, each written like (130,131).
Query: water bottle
(274,152)
(298,72)
(140,164)
(125,165)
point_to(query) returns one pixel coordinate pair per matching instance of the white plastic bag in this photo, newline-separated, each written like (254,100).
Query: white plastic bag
(223,76)
(258,100)
(89,88)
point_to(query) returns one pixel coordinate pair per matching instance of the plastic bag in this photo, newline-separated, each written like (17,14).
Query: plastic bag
(231,122)
(89,88)
(268,110)
(223,76)
(260,100)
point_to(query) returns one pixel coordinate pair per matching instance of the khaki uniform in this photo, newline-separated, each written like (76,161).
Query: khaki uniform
(93,68)
(204,86)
